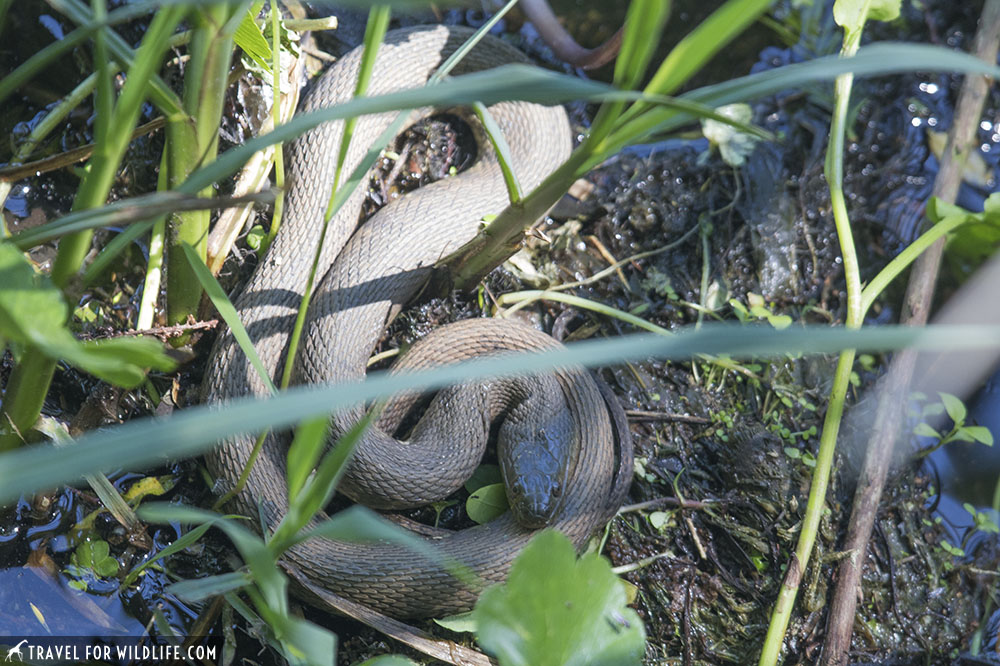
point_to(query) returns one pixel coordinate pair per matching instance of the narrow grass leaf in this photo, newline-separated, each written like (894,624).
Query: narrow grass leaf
(362,525)
(304,451)
(711,36)
(128,211)
(509,82)
(249,38)
(227,312)
(255,553)
(187,539)
(197,429)
(643,30)
(48,55)
(160,93)
(198,589)
(316,645)
(875,60)
(502,149)
(318,490)
(375,28)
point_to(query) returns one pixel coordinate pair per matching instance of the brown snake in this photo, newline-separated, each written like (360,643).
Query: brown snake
(368,275)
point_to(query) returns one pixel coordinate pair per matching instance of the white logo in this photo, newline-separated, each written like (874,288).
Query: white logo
(16,650)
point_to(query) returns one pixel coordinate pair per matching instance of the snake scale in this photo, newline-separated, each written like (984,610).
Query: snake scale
(368,274)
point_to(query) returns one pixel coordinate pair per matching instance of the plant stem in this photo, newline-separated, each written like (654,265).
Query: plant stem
(782,612)
(30,380)
(279,155)
(190,146)
(25,395)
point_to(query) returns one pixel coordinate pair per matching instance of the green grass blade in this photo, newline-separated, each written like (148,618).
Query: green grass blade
(187,539)
(48,55)
(692,52)
(318,490)
(643,29)
(160,93)
(304,452)
(502,150)
(462,51)
(128,211)
(199,589)
(496,85)
(227,312)
(195,430)
(875,60)
(375,28)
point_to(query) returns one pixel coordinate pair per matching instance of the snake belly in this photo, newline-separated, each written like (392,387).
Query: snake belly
(368,274)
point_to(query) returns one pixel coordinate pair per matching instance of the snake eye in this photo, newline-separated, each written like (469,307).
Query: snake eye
(556,490)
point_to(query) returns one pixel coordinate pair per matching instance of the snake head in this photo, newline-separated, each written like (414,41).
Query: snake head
(535,471)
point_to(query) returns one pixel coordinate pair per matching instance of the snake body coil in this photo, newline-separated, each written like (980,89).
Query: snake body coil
(368,274)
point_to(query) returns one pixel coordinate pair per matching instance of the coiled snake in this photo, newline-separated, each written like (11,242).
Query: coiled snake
(369,274)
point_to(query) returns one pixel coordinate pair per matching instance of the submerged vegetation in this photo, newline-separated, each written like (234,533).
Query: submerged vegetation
(555,608)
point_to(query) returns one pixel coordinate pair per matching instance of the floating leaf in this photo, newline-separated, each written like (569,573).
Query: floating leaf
(95,555)
(555,609)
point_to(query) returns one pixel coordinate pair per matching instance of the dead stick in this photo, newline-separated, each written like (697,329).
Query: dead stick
(916,309)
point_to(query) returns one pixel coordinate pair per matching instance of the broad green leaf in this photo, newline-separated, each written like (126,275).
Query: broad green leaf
(197,429)
(954,406)
(734,145)
(555,609)
(32,312)
(938,209)
(487,503)
(94,554)
(992,205)
(981,434)
(852,14)
(924,430)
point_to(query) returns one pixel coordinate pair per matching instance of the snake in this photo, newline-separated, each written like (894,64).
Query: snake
(582,455)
